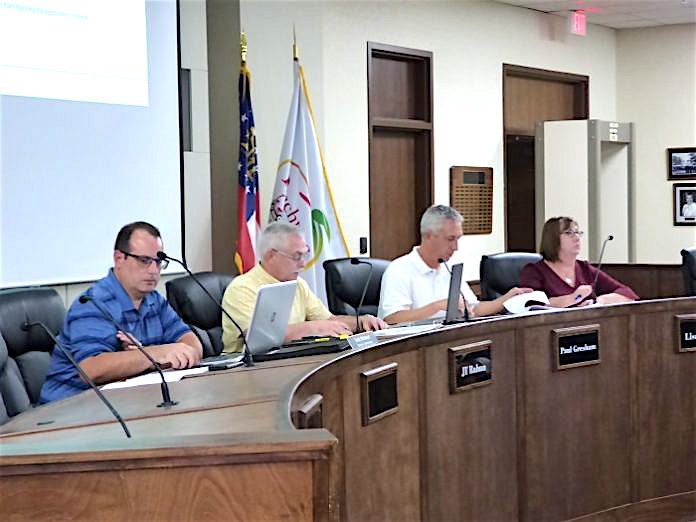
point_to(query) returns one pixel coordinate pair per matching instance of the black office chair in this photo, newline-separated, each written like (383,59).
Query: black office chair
(500,272)
(345,283)
(14,398)
(197,310)
(28,352)
(689,270)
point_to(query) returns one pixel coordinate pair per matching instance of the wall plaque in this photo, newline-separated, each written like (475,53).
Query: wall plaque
(470,366)
(576,346)
(379,393)
(686,332)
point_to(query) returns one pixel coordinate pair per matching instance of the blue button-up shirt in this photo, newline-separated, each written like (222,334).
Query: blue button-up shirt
(87,333)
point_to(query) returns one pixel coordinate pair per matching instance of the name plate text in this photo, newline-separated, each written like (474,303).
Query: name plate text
(576,346)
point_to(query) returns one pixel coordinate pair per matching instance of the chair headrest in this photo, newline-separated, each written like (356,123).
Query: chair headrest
(20,305)
(191,302)
(345,282)
(689,260)
(500,272)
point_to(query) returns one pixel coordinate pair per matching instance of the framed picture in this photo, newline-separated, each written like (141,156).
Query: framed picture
(681,163)
(684,203)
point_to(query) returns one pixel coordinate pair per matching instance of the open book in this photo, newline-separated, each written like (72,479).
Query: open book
(522,303)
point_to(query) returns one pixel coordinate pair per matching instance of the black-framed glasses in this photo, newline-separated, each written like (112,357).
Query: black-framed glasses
(146,261)
(296,257)
(572,232)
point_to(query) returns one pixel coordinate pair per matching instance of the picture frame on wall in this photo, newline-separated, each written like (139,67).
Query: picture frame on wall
(681,163)
(684,197)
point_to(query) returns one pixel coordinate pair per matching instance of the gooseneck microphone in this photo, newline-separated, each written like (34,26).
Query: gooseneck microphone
(28,325)
(247,358)
(358,261)
(466,307)
(167,401)
(599,265)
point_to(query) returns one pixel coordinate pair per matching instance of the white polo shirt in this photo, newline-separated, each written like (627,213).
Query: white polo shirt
(409,283)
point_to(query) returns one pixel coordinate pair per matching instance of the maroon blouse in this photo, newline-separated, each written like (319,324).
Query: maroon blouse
(539,276)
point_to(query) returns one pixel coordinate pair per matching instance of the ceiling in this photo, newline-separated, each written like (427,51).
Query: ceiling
(619,14)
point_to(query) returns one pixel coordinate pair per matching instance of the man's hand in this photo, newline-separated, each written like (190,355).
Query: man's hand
(328,327)
(126,343)
(515,291)
(179,355)
(370,323)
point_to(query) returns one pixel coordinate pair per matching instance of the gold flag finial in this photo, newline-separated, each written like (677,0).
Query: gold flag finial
(295,53)
(243,45)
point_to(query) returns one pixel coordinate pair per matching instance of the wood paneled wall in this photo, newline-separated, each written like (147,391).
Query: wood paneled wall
(536,443)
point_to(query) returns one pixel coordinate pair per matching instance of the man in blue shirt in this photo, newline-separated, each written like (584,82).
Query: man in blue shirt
(128,293)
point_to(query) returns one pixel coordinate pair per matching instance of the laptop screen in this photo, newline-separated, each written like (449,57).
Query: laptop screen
(269,321)
(453,312)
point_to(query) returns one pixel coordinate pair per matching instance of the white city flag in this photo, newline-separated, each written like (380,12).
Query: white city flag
(302,194)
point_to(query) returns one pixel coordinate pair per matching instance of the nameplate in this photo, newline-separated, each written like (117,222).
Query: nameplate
(576,346)
(686,333)
(363,340)
(470,366)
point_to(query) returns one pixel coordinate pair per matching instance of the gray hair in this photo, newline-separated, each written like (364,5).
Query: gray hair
(274,236)
(434,216)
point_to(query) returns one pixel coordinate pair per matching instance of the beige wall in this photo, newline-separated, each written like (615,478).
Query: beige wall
(631,79)
(470,41)
(656,89)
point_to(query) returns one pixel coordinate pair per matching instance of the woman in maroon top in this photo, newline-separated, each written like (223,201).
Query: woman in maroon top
(566,280)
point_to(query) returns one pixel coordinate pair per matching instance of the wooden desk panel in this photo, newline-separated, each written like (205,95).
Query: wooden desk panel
(575,431)
(666,401)
(471,438)
(216,492)
(381,460)
(536,444)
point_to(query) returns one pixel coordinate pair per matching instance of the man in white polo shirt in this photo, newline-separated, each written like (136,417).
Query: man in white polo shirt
(415,286)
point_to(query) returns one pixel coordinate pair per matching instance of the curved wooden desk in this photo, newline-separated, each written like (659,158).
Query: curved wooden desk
(609,441)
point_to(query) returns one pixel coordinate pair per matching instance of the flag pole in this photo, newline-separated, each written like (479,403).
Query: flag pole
(243,45)
(295,51)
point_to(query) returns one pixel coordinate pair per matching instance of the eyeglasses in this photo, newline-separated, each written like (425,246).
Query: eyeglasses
(571,232)
(146,261)
(296,257)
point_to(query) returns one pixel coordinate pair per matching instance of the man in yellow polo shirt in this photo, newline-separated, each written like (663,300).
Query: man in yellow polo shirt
(283,253)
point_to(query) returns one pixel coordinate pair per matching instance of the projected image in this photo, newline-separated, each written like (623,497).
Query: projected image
(89,133)
(79,50)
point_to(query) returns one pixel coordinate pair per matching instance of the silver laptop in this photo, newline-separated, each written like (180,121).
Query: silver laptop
(269,321)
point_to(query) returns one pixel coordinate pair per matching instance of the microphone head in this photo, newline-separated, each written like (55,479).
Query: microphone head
(354,261)
(84,298)
(162,256)
(440,260)
(610,238)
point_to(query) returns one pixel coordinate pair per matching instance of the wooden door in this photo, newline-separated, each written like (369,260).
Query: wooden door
(401,144)
(530,96)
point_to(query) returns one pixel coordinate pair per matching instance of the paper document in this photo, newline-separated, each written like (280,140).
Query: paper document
(395,331)
(154,378)
(522,303)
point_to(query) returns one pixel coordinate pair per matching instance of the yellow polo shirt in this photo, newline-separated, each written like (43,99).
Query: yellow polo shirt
(240,298)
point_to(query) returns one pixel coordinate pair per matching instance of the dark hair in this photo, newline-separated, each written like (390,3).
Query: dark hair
(551,236)
(124,235)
